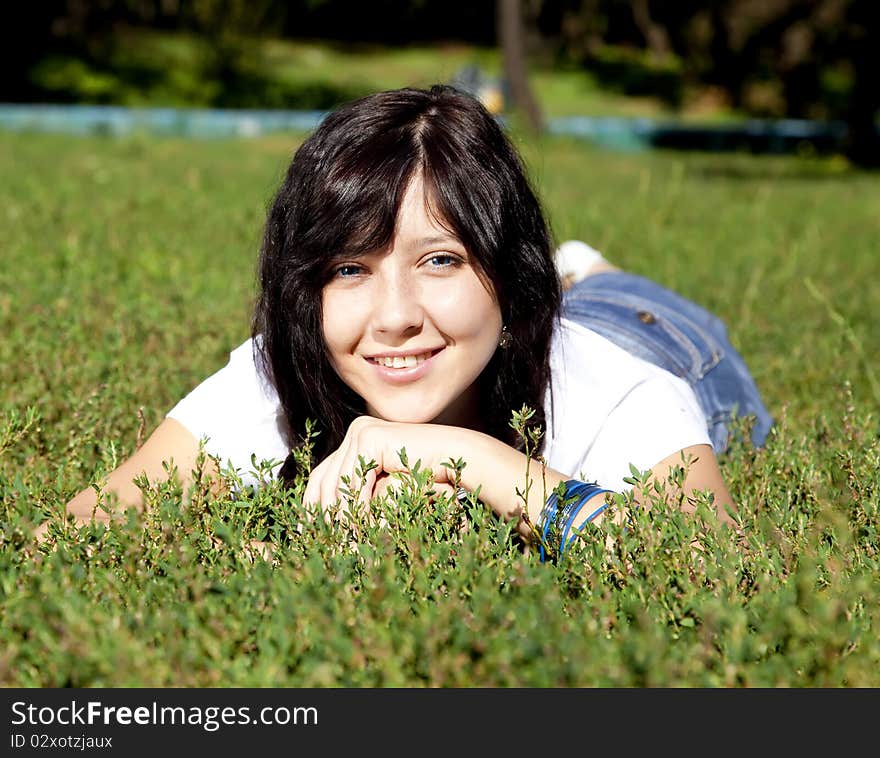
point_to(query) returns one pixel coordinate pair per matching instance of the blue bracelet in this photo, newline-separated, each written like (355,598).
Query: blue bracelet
(574,507)
(579,492)
(587,521)
(548,515)
(565,541)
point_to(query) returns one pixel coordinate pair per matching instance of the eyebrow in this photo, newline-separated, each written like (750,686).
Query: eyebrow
(435,240)
(417,244)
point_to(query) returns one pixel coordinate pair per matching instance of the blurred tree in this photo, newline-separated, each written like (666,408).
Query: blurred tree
(513,50)
(655,34)
(232,26)
(25,32)
(775,58)
(864,101)
(815,59)
(791,58)
(395,22)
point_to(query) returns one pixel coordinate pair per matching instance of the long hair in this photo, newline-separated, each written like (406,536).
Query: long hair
(341,196)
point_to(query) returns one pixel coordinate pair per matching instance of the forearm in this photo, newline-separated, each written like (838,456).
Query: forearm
(515,486)
(170,444)
(501,471)
(85,506)
(118,492)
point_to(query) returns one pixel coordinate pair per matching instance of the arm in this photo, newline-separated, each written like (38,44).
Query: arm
(171,441)
(507,472)
(702,474)
(495,467)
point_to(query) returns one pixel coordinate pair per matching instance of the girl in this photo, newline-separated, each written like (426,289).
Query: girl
(409,298)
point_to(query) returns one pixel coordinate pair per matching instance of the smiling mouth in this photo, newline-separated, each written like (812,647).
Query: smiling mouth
(401,361)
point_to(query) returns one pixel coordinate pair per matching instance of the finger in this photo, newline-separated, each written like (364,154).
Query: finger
(347,462)
(359,454)
(309,496)
(444,488)
(443,475)
(330,475)
(261,548)
(330,482)
(386,484)
(312,491)
(312,495)
(367,490)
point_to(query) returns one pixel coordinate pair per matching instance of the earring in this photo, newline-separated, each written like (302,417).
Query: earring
(505,339)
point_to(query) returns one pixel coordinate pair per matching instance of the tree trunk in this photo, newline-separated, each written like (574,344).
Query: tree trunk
(655,34)
(510,34)
(863,141)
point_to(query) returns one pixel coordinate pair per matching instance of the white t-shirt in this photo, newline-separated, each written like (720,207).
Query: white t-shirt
(605,410)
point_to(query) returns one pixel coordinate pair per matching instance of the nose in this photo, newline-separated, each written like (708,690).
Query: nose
(397,306)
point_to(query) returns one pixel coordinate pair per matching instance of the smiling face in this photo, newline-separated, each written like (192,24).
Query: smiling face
(411,327)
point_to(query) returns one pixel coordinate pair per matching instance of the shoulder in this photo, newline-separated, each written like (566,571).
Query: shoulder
(608,409)
(237,411)
(583,361)
(241,374)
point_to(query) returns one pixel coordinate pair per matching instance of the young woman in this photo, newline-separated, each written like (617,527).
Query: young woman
(409,298)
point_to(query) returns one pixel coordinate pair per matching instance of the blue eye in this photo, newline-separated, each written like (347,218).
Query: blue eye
(348,271)
(444,261)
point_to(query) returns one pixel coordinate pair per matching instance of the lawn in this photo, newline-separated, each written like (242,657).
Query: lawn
(127,277)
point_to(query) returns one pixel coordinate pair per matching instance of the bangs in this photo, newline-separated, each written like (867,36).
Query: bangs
(357,206)
(465,201)
(443,208)
(354,194)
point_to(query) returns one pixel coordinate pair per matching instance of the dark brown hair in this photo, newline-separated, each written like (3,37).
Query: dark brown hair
(342,194)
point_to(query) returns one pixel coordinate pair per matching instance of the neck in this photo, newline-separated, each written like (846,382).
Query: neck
(464,411)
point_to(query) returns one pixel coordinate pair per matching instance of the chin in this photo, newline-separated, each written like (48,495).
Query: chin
(406,415)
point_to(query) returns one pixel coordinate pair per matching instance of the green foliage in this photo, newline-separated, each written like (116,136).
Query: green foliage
(127,278)
(638,72)
(148,68)
(144,67)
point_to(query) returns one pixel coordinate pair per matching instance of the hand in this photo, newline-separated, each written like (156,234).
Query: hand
(41,533)
(390,485)
(380,441)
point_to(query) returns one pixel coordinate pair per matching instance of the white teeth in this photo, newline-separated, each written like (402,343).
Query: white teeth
(399,361)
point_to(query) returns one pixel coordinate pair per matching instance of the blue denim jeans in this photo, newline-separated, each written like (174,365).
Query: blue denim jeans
(664,328)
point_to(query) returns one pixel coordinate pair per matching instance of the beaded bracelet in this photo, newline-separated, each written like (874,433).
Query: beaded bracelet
(581,492)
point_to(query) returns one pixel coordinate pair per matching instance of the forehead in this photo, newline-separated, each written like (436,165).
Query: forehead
(419,215)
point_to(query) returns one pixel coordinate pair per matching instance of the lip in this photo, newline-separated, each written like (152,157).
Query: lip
(404,375)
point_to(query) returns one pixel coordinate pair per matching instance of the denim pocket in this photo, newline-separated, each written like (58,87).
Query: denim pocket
(664,328)
(686,344)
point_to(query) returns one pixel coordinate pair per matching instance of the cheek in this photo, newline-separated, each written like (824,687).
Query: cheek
(468,312)
(340,329)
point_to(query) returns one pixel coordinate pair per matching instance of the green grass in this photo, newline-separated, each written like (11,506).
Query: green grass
(127,277)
